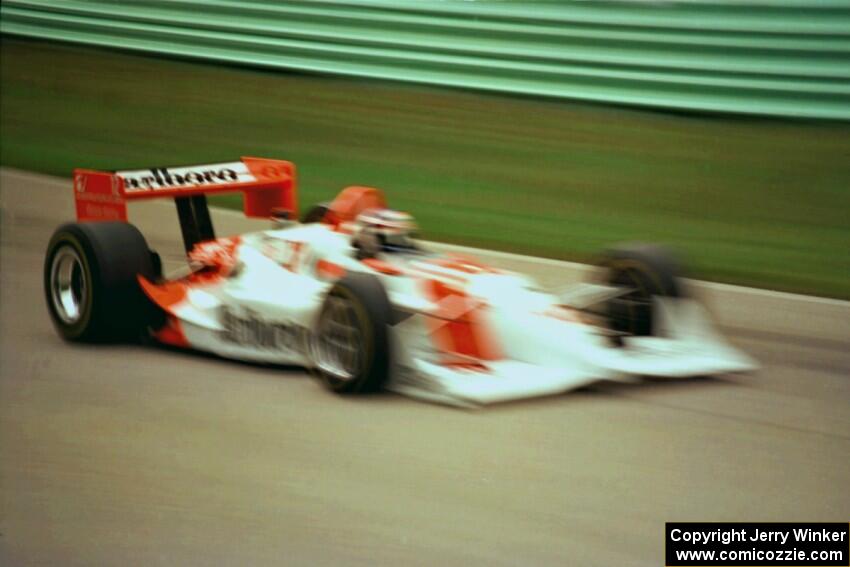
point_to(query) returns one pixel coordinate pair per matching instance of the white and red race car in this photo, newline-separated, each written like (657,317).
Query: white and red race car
(350,293)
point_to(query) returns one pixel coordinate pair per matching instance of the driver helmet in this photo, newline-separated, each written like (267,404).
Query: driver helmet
(384,230)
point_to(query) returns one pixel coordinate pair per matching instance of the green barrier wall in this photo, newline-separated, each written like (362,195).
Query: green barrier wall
(773,57)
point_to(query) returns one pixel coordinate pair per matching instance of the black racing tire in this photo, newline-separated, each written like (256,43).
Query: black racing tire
(316,213)
(360,301)
(650,271)
(90,282)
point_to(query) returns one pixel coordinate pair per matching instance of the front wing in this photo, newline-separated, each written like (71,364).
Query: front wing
(688,346)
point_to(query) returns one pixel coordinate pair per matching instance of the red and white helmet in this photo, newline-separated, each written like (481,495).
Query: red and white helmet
(384,229)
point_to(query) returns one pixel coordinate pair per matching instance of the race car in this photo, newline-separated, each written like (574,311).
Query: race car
(351,293)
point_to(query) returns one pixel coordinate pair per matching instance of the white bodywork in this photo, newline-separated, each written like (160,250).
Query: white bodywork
(266,308)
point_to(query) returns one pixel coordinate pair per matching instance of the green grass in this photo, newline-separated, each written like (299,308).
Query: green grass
(757,202)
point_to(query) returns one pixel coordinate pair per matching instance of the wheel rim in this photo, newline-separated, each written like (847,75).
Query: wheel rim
(68,285)
(337,350)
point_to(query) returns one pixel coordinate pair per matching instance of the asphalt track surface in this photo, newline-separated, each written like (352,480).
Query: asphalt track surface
(116,455)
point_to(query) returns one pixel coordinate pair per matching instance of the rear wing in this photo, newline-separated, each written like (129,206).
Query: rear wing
(267,185)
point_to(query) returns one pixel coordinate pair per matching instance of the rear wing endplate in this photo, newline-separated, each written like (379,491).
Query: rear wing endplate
(267,185)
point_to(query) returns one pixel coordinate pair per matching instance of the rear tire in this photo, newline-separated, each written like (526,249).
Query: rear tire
(650,271)
(351,347)
(90,282)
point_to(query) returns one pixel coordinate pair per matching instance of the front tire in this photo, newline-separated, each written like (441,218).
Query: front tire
(648,271)
(90,283)
(350,346)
